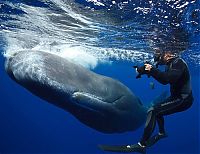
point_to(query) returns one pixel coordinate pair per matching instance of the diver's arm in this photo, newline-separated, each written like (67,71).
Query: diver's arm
(170,76)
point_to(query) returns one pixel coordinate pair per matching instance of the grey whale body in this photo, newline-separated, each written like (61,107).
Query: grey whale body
(99,102)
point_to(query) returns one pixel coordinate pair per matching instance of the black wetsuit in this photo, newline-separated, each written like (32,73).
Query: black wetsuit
(177,75)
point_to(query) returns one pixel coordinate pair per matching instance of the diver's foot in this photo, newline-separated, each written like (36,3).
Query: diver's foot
(154,139)
(137,148)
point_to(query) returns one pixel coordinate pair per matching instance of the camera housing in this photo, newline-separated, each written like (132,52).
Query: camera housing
(141,70)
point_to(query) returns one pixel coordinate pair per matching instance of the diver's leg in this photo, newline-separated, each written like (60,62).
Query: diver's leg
(151,141)
(152,117)
(170,106)
(149,126)
(180,105)
(161,126)
(163,108)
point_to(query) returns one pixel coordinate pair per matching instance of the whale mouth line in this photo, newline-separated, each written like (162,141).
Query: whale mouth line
(85,100)
(79,94)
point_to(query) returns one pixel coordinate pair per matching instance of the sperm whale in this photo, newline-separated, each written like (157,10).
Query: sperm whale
(100,102)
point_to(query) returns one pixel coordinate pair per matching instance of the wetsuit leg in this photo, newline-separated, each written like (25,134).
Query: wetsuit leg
(174,106)
(160,121)
(156,113)
(149,126)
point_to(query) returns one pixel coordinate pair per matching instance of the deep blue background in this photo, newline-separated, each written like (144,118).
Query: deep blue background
(30,125)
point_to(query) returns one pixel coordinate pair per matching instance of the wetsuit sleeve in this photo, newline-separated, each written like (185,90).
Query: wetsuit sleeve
(171,76)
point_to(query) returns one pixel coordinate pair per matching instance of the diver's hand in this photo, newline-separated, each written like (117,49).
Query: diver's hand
(148,67)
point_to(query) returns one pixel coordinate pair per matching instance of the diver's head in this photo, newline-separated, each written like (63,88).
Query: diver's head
(163,57)
(168,56)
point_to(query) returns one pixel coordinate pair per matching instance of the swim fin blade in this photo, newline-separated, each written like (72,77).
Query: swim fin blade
(123,148)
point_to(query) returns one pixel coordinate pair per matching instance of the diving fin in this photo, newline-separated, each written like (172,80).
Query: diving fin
(123,148)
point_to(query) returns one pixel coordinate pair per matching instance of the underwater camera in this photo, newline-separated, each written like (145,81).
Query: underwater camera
(158,60)
(141,70)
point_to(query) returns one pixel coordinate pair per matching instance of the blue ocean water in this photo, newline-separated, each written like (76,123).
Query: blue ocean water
(107,37)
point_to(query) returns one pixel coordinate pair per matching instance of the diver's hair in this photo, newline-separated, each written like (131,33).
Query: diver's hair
(174,54)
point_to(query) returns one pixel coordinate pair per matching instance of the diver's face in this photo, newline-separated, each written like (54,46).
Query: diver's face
(163,58)
(167,57)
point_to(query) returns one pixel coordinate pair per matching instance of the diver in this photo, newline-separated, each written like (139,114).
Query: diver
(177,75)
